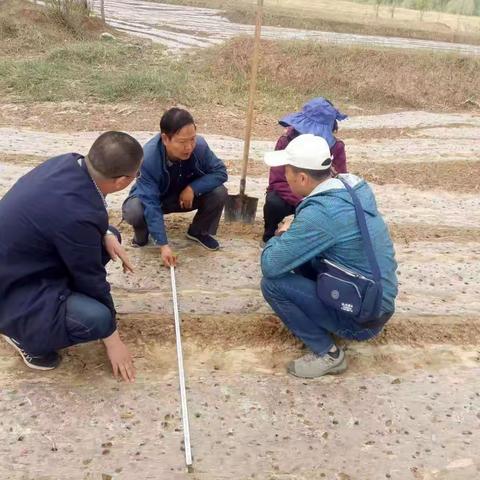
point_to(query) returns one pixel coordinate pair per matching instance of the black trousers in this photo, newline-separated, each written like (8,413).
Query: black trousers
(274,211)
(209,208)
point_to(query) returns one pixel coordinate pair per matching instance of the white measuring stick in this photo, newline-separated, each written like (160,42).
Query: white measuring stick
(181,373)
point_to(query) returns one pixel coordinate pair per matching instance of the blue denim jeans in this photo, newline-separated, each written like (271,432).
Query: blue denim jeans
(294,299)
(87,319)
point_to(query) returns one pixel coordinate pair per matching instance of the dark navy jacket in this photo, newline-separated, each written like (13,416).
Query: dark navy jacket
(52,223)
(205,169)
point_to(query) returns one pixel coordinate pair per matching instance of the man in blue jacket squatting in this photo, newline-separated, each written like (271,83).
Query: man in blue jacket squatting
(54,244)
(324,227)
(179,174)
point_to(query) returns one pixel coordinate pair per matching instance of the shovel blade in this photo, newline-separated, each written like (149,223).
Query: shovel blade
(240,208)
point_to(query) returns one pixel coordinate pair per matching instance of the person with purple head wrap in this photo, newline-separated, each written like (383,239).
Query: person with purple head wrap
(317,117)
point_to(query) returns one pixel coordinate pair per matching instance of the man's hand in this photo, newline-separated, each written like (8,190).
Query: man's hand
(120,357)
(115,250)
(168,257)
(186,198)
(285,226)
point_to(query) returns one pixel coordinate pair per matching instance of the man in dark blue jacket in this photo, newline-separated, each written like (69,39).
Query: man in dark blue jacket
(54,244)
(179,174)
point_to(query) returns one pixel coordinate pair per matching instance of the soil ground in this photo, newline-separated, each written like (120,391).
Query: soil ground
(407,408)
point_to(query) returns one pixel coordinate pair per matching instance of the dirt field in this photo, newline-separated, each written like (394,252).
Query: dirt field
(407,408)
(182,28)
(351,11)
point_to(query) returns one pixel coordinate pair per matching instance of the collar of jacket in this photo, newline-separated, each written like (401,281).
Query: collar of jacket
(83,165)
(335,184)
(163,158)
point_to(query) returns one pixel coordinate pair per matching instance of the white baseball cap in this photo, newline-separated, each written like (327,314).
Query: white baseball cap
(305,151)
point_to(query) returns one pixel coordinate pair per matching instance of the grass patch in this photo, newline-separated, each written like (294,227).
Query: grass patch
(290,72)
(156,84)
(105,72)
(47,60)
(35,79)
(27,29)
(95,54)
(70,15)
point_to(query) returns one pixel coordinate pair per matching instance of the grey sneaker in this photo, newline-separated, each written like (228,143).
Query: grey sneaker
(312,365)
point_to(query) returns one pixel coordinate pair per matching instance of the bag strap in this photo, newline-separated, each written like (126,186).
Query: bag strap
(362,223)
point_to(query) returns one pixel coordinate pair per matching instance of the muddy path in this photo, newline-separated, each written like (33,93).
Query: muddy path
(181,28)
(366,124)
(412,136)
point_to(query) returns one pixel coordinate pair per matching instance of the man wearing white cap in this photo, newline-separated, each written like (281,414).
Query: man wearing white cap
(324,249)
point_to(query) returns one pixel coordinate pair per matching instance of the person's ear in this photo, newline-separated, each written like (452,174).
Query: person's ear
(165,138)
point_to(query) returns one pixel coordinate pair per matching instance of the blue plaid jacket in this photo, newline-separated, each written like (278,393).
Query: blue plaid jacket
(325,226)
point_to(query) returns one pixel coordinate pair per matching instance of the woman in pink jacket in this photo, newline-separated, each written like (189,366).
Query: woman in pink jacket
(318,117)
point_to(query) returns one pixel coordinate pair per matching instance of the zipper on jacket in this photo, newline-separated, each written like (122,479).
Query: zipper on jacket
(165,169)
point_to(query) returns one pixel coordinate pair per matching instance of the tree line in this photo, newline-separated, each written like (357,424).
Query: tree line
(460,7)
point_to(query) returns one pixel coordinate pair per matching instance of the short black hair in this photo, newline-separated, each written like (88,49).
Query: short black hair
(174,120)
(115,154)
(315,174)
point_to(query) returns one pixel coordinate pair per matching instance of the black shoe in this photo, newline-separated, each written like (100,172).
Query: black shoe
(48,361)
(136,244)
(206,241)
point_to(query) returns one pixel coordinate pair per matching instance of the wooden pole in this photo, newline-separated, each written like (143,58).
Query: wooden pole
(251,96)
(102,10)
